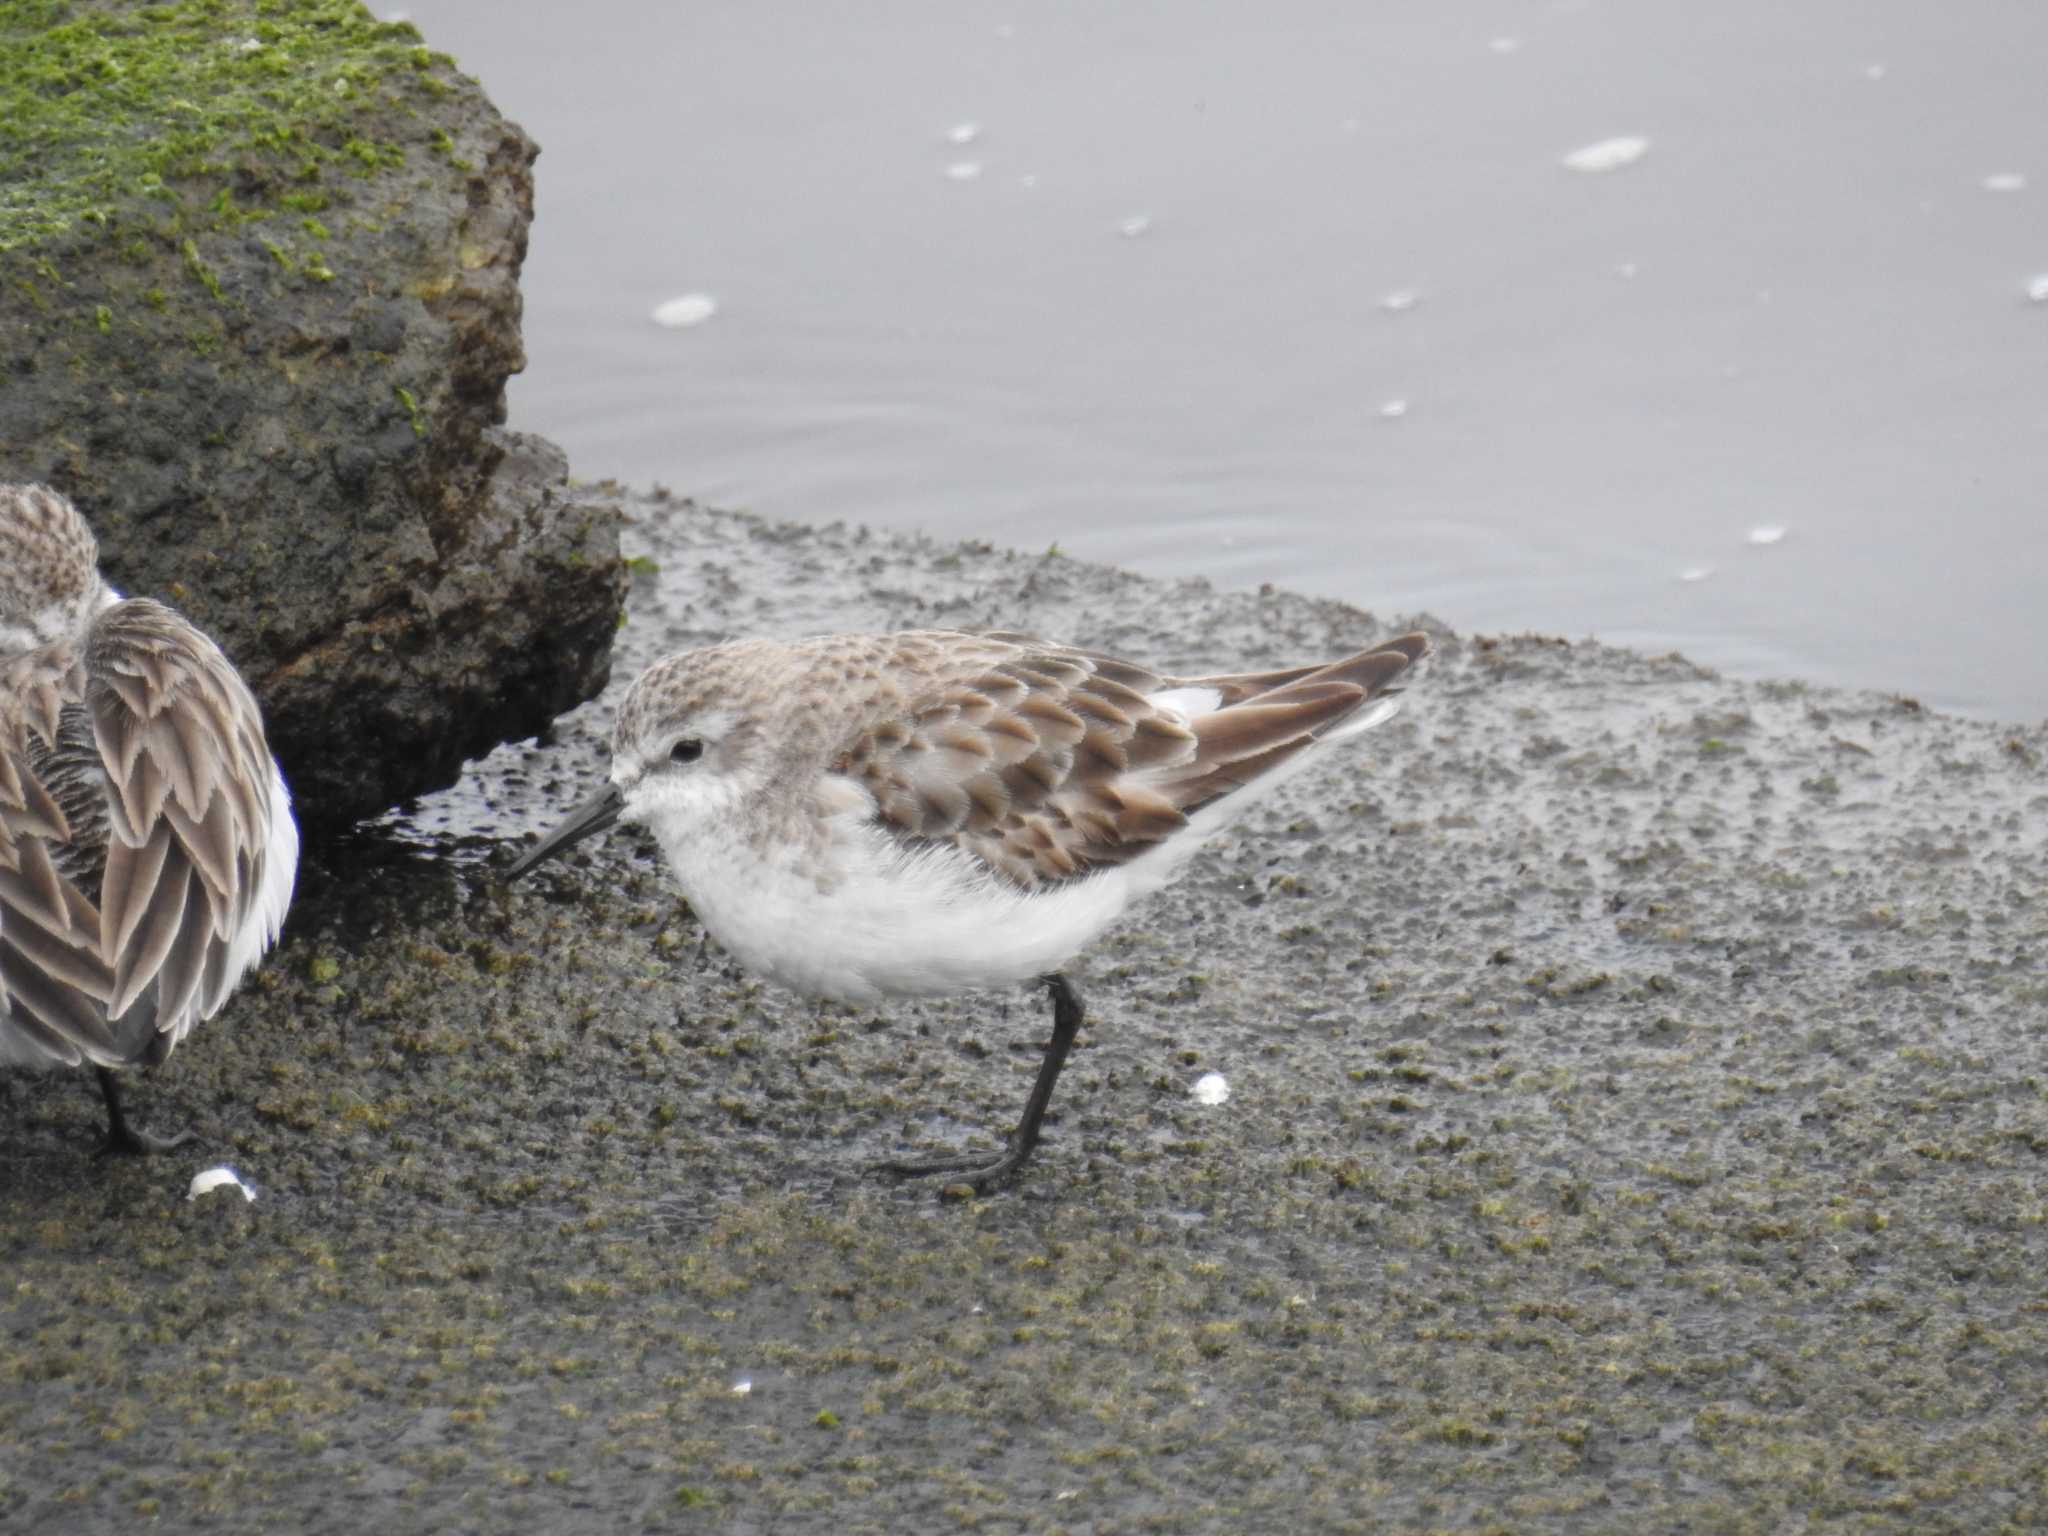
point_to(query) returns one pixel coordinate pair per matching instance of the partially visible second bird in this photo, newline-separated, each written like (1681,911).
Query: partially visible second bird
(147,846)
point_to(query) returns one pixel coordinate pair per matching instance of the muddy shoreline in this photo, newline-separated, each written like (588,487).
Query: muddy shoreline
(1638,1117)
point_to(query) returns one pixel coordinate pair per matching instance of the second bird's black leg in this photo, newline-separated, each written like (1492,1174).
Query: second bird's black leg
(982,1172)
(123,1137)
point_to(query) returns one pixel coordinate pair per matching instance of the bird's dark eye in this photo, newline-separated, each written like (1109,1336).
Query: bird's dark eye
(687,750)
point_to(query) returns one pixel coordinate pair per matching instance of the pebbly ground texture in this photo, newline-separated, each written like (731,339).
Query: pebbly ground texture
(259,296)
(1638,1121)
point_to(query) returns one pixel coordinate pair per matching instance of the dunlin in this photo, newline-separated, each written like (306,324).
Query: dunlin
(147,847)
(863,817)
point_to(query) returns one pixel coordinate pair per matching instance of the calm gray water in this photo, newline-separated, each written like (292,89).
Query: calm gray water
(1305,293)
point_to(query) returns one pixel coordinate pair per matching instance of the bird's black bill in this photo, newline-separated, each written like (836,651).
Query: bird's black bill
(587,820)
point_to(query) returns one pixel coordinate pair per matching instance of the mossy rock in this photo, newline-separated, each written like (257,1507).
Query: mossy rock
(259,266)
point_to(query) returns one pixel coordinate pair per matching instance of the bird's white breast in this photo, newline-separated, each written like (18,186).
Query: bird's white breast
(851,913)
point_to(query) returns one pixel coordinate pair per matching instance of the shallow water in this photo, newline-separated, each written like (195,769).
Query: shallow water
(1306,293)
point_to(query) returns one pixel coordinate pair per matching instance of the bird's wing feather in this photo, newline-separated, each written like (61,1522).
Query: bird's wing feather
(1046,762)
(1268,718)
(54,979)
(181,742)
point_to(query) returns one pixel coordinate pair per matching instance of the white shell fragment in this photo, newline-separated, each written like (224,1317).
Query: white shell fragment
(1134,226)
(2037,288)
(964,170)
(742,1387)
(964,133)
(1696,573)
(685,310)
(205,1183)
(1400,300)
(1394,410)
(2005,181)
(1211,1088)
(1766,533)
(1608,154)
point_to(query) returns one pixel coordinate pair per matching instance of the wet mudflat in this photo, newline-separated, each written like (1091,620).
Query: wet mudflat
(1637,1117)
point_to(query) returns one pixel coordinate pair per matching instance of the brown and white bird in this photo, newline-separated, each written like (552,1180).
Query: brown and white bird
(147,846)
(869,816)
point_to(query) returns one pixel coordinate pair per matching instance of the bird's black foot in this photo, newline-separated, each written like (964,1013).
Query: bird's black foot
(123,1139)
(981,1172)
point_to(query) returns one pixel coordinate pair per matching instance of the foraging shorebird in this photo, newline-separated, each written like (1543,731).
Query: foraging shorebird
(870,816)
(147,847)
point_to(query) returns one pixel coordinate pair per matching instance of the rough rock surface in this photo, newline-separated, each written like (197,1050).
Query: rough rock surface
(258,301)
(1638,1122)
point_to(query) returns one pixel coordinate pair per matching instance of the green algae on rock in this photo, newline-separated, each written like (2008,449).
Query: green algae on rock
(259,263)
(216,112)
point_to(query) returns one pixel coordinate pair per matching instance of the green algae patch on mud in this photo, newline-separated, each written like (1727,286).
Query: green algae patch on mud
(199,114)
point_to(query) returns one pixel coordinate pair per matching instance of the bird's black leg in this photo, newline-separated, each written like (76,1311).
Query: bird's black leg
(982,1172)
(123,1137)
